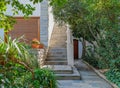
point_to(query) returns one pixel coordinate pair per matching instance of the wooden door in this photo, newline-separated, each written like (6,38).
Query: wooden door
(75,49)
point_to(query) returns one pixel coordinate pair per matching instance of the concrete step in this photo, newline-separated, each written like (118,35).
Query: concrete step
(55,62)
(60,36)
(56,59)
(57,49)
(60,69)
(58,53)
(58,42)
(55,46)
(74,76)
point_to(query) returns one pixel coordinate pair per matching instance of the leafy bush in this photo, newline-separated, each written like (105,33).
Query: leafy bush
(44,78)
(108,48)
(90,57)
(107,55)
(18,68)
(114,76)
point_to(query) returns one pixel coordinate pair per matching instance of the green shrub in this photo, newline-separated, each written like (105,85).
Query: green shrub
(44,78)
(90,57)
(114,76)
(109,52)
(18,68)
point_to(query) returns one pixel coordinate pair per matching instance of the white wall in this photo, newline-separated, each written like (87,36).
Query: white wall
(51,23)
(79,49)
(2,34)
(35,13)
(70,51)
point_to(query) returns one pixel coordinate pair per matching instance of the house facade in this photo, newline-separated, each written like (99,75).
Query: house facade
(40,25)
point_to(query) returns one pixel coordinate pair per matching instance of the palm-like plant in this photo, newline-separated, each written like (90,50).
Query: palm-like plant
(14,51)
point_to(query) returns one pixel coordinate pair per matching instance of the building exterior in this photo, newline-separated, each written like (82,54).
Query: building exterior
(40,26)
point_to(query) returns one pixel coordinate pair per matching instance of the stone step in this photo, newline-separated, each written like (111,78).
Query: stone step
(61,41)
(58,43)
(55,45)
(57,53)
(74,76)
(56,59)
(57,49)
(60,36)
(55,62)
(60,69)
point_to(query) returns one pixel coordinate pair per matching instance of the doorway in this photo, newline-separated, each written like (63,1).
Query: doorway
(75,48)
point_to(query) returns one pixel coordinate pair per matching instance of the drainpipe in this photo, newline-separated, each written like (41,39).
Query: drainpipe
(69,47)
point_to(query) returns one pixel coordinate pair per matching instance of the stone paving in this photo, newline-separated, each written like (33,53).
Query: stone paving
(89,79)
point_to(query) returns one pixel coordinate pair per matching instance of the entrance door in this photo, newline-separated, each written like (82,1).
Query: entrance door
(75,49)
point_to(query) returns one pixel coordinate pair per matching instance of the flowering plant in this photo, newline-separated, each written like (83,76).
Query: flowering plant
(35,41)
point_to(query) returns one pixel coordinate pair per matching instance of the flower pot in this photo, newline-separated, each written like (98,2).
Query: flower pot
(35,45)
(41,46)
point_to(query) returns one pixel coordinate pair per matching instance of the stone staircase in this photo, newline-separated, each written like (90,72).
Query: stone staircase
(57,55)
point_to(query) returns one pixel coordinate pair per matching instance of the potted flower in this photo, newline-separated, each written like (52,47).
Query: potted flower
(36,43)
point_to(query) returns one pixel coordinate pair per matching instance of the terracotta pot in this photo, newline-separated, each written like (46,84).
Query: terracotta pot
(35,45)
(41,46)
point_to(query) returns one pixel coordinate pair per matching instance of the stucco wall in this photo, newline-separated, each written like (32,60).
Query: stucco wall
(51,23)
(79,49)
(70,51)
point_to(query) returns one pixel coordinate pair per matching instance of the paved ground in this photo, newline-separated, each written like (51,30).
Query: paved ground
(89,79)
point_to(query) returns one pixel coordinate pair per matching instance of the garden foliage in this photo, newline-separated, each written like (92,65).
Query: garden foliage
(19,68)
(96,21)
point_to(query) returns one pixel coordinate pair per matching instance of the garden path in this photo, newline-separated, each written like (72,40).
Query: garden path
(89,79)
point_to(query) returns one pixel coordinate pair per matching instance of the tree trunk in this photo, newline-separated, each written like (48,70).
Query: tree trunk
(84,48)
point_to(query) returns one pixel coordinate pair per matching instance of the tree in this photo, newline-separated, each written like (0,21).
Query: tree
(88,18)
(76,14)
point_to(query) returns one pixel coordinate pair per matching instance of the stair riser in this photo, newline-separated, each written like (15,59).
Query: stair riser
(54,57)
(55,63)
(62,72)
(68,78)
(56,60)
(58,50)
(57,53)
(62,56)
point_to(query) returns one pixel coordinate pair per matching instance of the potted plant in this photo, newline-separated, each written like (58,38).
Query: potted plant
(36,43)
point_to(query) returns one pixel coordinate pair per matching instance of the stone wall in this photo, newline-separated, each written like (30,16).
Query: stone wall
(40,55)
